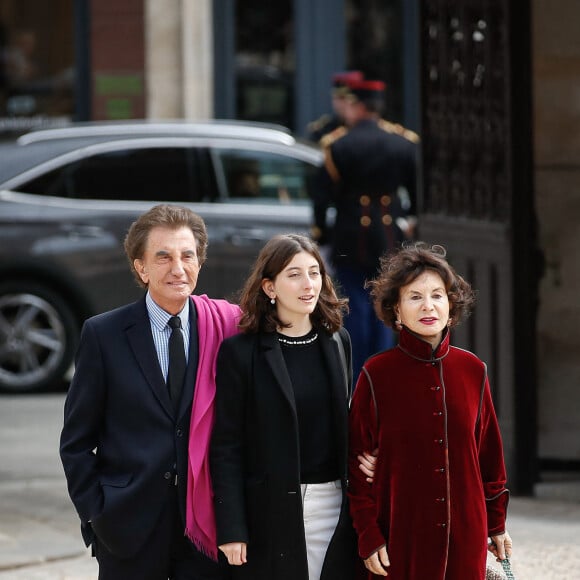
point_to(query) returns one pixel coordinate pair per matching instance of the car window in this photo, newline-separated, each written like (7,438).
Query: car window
(151,174)
(264,177)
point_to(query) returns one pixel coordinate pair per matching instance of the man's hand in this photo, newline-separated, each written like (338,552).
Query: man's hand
(368,464)
(501,546)
(378,562)
(235,553)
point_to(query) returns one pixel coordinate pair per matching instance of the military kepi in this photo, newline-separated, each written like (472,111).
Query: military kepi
(365,90)
(341,80)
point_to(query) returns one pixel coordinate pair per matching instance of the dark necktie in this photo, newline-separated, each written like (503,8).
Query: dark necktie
(177,364)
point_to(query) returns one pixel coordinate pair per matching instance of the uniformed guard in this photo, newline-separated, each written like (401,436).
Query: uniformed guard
(366,167)
(329,122)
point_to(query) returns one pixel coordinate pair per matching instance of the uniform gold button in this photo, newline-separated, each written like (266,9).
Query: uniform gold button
(387,220)
(365,221)
(365,200)
(386,200)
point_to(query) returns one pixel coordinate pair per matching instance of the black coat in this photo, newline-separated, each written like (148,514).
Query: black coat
(118,403)
(255,460)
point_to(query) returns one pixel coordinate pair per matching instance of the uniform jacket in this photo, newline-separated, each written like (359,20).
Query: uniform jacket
(118,404)
(440,479)
(323,126)
(363,172)
(255,460)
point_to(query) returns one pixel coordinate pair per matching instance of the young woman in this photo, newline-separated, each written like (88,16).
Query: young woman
(279,445)
(439,485)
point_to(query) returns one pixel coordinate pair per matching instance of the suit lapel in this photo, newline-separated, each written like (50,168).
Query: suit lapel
(334,363)
(275,359)
(141,343)
(337,384)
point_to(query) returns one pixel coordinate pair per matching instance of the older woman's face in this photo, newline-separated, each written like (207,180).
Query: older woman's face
(423,307)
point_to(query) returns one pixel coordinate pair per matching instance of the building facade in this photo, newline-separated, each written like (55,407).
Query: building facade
(198,59)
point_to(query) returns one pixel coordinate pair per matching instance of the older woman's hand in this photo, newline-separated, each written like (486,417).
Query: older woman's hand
(501,546)
(378,562)
(368,464)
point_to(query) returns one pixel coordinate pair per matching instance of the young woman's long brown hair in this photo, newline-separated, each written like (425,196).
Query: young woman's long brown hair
(260,315)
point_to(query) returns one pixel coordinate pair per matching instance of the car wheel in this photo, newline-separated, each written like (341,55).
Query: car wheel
(38,337)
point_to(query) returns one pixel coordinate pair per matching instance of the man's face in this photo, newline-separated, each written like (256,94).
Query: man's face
(338,105)
(169,266)
(354,111)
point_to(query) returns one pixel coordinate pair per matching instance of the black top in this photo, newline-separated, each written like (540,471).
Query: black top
(310,382)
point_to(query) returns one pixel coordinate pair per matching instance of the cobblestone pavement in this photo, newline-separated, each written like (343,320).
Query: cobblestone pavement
(39,530)
(546,538)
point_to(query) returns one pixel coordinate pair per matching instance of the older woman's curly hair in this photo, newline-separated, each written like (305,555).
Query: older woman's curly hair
(405,265)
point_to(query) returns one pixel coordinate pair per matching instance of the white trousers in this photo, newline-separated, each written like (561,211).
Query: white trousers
(321,505)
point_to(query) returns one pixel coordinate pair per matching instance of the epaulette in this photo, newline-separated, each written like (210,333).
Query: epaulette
(333,136)
(399,130)
(319,123)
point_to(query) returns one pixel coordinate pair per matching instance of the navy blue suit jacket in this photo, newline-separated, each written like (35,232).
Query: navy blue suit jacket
(121,446)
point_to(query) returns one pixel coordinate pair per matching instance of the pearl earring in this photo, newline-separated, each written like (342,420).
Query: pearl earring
(272,301)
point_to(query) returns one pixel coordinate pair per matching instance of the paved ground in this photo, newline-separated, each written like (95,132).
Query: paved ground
(40,539)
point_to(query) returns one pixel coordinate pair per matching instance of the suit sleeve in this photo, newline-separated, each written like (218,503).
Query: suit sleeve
(83,413)
(409,174)
(322,194)
(363,437)
(492,466)
(228,447)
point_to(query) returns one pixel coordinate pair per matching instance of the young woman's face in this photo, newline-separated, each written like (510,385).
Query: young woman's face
(423,307)
(296,288)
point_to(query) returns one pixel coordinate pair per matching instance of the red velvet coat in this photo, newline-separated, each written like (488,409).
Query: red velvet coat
(439,488)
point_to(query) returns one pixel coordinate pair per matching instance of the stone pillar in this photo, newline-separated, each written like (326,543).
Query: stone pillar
(163,59)
(197,51)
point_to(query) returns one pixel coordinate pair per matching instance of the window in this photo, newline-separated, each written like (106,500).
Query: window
(265,63)
(262,176)
(164,174)
(37,64)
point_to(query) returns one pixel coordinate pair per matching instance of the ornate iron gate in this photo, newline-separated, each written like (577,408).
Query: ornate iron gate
(477,194)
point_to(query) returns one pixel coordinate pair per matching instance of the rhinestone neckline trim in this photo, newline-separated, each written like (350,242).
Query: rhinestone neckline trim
(297,341)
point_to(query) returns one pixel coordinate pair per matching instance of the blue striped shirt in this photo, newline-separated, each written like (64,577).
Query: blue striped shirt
(161,331)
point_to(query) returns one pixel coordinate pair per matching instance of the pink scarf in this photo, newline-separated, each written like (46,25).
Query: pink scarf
(216,320)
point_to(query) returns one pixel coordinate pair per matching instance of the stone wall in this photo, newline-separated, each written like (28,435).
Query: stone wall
(117,59)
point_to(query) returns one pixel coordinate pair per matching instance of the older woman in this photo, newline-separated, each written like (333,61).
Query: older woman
(439,486)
